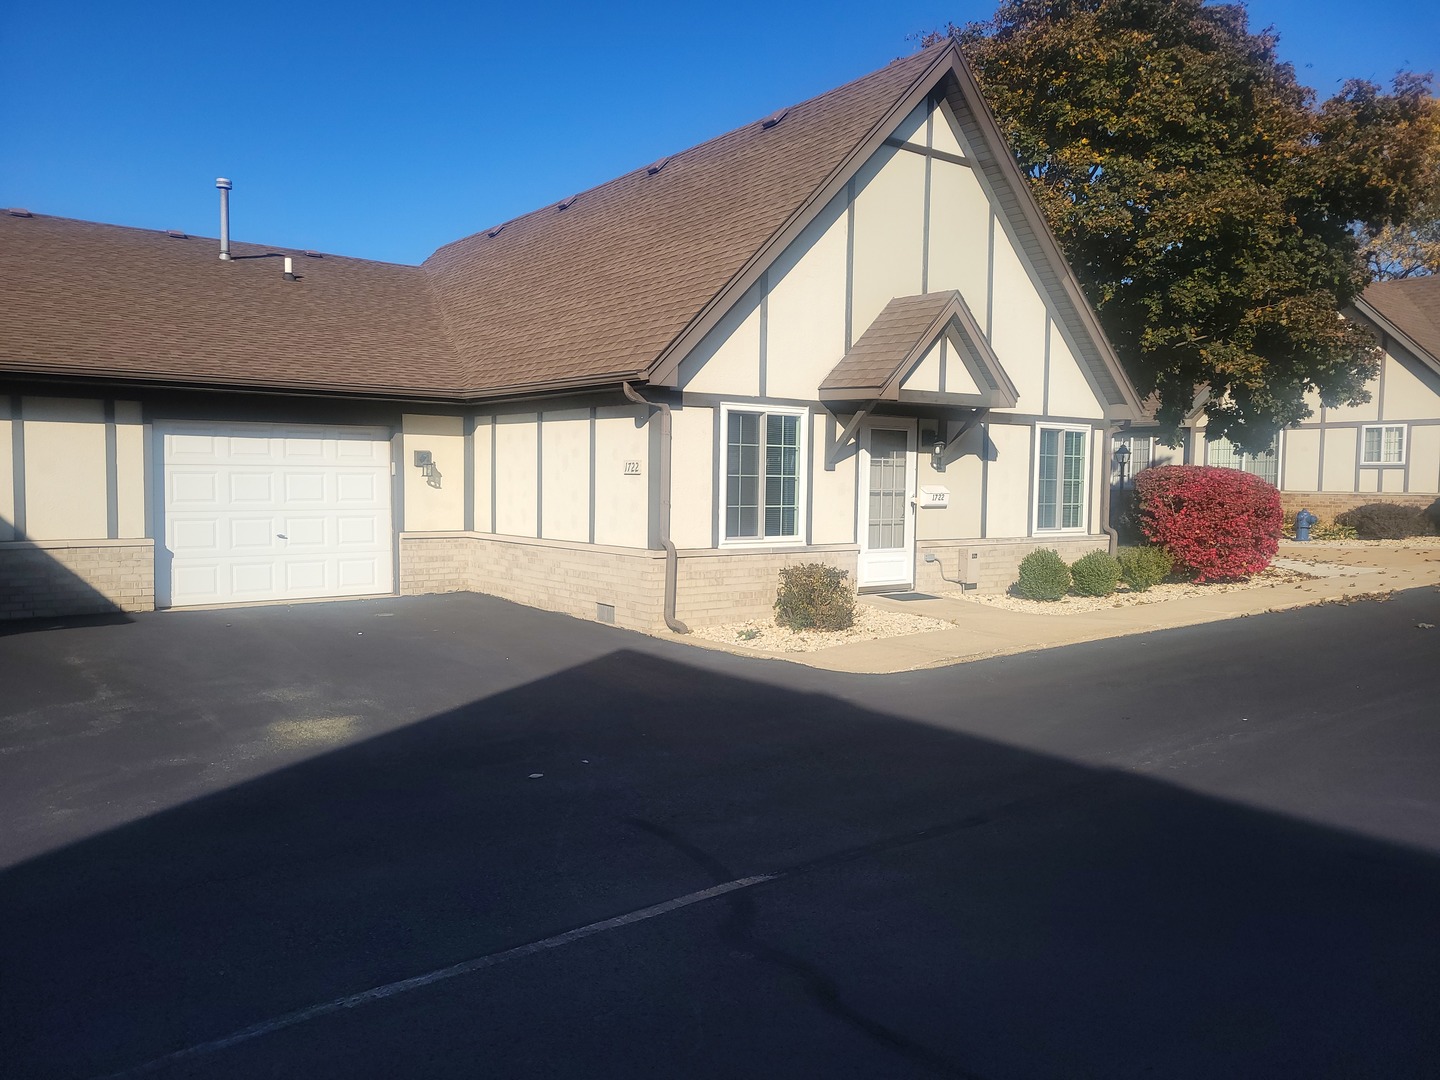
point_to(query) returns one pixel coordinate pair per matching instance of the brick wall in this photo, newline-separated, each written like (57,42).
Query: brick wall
(435,563)
(991,565)
(547,574)
(47,579)
(713,586)
(1327,504)
(725,585)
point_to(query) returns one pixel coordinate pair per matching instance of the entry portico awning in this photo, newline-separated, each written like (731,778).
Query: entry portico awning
(922,350)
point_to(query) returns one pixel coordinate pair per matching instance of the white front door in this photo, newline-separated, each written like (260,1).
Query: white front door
(887,513)
(273,512)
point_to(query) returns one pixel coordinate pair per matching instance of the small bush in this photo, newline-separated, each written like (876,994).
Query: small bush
(1142,568)
(1095,574)
(1219,524)
(1386,521)
(814,596)
(1433,513)
(1043,576)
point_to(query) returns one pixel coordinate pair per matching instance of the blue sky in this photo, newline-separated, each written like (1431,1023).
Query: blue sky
(383,131)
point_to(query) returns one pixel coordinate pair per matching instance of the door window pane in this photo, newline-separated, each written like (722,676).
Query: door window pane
(888,492)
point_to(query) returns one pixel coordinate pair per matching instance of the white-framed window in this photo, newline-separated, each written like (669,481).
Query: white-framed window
(762,473)
(1142,453)
(1382,444)
(1062,457)
(1224,454)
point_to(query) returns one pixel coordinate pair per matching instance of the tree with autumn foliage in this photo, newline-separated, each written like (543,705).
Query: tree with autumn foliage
(1211,208)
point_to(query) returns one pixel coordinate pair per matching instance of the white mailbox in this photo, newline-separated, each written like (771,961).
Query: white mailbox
(932,498)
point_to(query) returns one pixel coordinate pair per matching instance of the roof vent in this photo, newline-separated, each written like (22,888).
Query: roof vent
(564,204)
(19,211)
(774,118)
(496,231)
(312,254)
(655,167)
(177,234)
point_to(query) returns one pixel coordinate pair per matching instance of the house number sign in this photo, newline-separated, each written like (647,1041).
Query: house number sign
(632,468)
(932,498)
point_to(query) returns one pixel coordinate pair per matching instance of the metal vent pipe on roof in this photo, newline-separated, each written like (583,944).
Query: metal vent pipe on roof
(224,186)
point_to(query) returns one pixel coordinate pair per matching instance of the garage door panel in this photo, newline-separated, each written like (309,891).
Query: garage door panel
(193,488)
(265,512)
(304,487)
(254,488)
(362,574)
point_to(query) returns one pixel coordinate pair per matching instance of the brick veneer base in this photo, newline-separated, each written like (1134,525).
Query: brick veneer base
(1327,504)
(47,579)
(991,566)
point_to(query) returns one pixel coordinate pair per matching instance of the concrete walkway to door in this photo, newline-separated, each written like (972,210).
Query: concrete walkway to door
(980,631)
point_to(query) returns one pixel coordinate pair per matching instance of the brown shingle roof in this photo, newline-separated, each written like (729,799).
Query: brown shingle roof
(82,298)
(1411,307)
(602,287)
(895,342)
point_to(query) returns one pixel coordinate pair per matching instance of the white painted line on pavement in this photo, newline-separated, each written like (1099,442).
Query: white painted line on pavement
(417,982)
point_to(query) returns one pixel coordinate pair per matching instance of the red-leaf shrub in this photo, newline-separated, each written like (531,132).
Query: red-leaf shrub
(1219,524)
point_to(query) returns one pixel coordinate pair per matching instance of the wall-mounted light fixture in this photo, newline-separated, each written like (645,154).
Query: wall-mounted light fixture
(936,446)
(425,462)
(1122,458)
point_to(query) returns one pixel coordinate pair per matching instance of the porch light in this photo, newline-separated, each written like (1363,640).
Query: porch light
(1122,458)
(937,456)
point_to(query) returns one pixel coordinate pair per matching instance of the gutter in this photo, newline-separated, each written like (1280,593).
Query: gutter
(672,557)
(1105,526)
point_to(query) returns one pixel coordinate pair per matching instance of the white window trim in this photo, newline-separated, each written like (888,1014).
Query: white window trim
(1083,529)
(802,480)
(1404,445)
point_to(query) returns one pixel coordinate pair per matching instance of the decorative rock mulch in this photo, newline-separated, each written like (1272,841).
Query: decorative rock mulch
(870,623)
(1273,578)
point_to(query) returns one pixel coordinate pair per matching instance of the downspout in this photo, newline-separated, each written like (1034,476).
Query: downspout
(1105,526)
(672,558)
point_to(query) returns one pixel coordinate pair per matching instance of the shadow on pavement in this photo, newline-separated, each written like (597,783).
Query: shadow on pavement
(945,906)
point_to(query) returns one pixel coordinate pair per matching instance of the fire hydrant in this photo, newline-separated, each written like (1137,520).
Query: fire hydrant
(1304,522)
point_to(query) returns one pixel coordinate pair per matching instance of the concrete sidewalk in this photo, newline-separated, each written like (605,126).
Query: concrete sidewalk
(981,631)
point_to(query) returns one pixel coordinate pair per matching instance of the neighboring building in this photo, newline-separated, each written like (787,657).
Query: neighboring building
(1387,450)
(841,333)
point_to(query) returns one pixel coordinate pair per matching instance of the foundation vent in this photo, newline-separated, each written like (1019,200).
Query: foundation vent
(605,613)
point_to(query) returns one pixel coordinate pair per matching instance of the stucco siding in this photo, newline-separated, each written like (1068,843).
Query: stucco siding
(7,472)
(961,518)
(516,474)
(1412,392)
(565,474)
(1301,464)
(805,316)
(1008,509)
(1425,458)
(1018,331)
(1338,466)
(889,233)
(959,236)
(481,448)
(694,476)
(129,470)
(622,502)
(1069,391)
(438,504)
(66,494)
(727,361)
(832,491)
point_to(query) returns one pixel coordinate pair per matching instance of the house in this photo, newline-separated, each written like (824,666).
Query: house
(1387,450)
(841,333)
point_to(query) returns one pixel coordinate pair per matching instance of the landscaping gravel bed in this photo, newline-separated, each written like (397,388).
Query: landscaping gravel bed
(1273,578)
(870,623)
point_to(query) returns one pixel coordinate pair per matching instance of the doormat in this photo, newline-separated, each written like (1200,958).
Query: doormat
(908,596)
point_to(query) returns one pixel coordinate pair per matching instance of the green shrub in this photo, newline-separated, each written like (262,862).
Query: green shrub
(1043,576)
(1095,574)
(814,596)
(1141,568)
(1386,521)
(1432,512)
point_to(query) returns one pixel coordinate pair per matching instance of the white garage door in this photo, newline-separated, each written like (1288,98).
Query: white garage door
(274,512)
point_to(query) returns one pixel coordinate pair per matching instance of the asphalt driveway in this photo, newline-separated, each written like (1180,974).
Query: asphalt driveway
(558,849)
